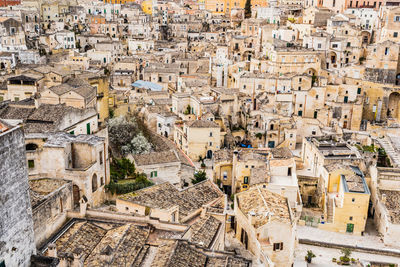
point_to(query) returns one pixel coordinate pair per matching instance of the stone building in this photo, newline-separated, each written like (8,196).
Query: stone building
(198,138)
(165,166)
(265,225)
(50,200)
(82,159)
(17,242)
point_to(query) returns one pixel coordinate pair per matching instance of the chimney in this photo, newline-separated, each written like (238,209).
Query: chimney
(251,216)
(383,199)
(77,254)
(52,250)
(82,206)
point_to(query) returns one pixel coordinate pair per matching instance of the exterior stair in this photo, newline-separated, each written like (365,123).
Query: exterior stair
(330,207)
(386,144)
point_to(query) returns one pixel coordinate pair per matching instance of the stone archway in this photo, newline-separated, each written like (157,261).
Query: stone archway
(394,105)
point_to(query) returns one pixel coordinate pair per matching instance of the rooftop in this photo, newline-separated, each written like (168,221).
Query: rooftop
(166,196)
(41,188)
(264,206)
(392,204)
(103,244)
(204,231)
(355,182)
(202,124)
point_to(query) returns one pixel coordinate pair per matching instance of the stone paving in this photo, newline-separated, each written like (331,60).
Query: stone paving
(366,241)
(324,257)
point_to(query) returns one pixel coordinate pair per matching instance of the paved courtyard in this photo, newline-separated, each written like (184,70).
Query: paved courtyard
(324,256)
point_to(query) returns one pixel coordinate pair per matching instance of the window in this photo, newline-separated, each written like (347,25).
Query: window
(31,164)
(359,90)
(313,132)
(101,181)
(246,180)
(247,166)
(210,143)
(315,114)
(316,97)
(94,183)
(396,18)
(153,174)
(395,34)
(289,171)
(225,175)
(353,200)
(101,157)
(386,51)
(88,128)
(351,218)
(346,99)
(278,246)
(210,134)
(300,113)
(127,208)
(319,45)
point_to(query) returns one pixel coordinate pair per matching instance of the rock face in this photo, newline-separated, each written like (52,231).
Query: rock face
(16,225)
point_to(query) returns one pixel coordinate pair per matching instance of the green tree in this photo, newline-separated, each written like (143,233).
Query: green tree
(199,177)
(247,9)
(122,168)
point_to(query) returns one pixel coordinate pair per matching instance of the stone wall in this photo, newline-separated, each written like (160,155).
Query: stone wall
(16,225)
(380,75)
(51,213)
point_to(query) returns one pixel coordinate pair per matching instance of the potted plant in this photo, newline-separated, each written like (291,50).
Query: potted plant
(309,256)
(345,259)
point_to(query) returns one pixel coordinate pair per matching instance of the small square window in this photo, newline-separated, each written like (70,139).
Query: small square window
(353,200)
(31,164)
(351,218)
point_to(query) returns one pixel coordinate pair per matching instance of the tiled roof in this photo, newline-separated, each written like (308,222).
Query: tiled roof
(202,124)
(165,196)
(264,206)
(392,204)
(204,231)
(104,244)
(155,158)
(180,253)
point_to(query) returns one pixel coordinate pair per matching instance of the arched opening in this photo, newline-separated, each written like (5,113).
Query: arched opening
(76,195)
(88,47)
(394,105)
(2,65)
(333,58)
(94,183)
(31,147)
(209,154)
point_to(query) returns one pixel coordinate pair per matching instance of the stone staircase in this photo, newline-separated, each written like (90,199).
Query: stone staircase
(330,208)
(386,144)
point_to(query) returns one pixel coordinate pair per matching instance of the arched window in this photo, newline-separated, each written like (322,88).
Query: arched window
(31,147)
(94,183)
